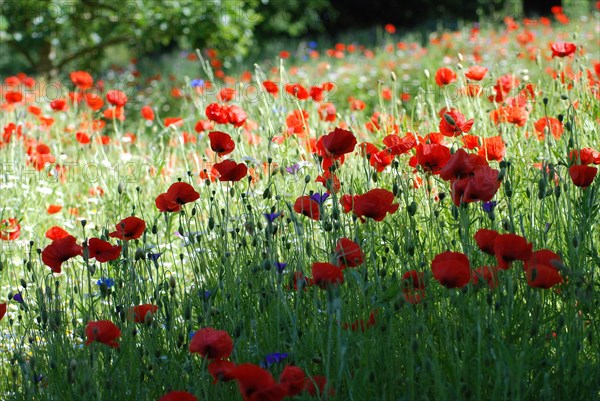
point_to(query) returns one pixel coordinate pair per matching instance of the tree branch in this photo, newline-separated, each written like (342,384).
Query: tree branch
(87,50)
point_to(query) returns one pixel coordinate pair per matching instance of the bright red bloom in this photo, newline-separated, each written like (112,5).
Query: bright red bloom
(482,186)
(511,247)
(55,233)
(103,251)
(82,79)
(58,105)
(444,76)
(221,143)
(178,396)
(493,148)
(2,310)
(563,49)
(476,72)
(60,251)
(147,113)
(375,204)
(413,287)
(451,269)
(347,202)
(399,145)
(460,165)
(339,142)
(307,206)
(584,156)
(116,98)
(454,123)
(221,370)
(236,116)
(257,384)
(226,94)
(553,124)
(297,90)
(582,176)
(94,101)
(176,196)
(10,229)
(485,240)
(140,313)
(348,253)
(217,113)
(230,171)
(13,97)
(541,269)
(326,274)
(211,343)
(271,87)
(102,331)
(129,228)
(432,157)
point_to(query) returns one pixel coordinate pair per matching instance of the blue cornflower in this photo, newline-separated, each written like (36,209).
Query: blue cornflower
(271,216)
(272,359)
(320,198)
(488,207)
(197,83)
(18,297)
(280,266)
(293,169)
(154,256)
(312,44)
(107,281)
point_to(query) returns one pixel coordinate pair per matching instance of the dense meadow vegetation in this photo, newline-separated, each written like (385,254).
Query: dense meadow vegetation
(366,223)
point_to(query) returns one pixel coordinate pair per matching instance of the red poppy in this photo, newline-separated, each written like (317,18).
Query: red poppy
(257,384)
(451,269)
(584,156)
(413,287)
(444,76)
(326,274)
(129,228)
(476,72)
(221,143)
(348,253)
(94,101)
(541,269)
(487,274)
(221,370)
(454,123)
(116,98)
(58,105)
(2,310)
(460,165)
(59,251)
(485,240)
(211,343)
(493,148)
(147,113)
(432,157)
(236,116)
(553,124)
(55,233)
(217,113)
(389,28)
(102,331)
(176,196)
(375,204)
(339,142)
(582,176)
(82,79)
(297,90)
(226,94)
(13,97)
(178,396)
(271,87)
(482,186)
(10,229)
(563,49)
(511,247)
(142,313)
(231,171)
(307,206)
(82,138)
(103,251)
(293,378)
(203,125)
(399,145)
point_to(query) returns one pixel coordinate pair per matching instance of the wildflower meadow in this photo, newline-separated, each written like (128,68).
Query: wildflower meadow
(382,221)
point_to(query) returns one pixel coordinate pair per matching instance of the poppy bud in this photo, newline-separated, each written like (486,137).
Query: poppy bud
(121,188)
(557,191)
(449,119)
(426,72)
(564,97)
(393,75)
(172,282)
(412,208)
(308,248)
(140,254)
(545,101)
(307,179)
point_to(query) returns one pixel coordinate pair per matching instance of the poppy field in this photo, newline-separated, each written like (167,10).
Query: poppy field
(382,222)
